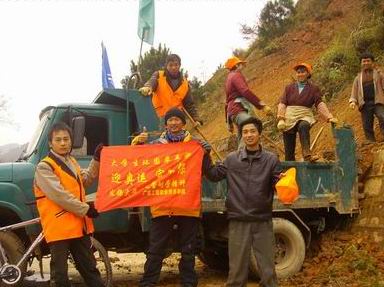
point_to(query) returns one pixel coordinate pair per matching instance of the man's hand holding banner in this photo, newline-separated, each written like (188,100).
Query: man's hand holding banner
(164,175)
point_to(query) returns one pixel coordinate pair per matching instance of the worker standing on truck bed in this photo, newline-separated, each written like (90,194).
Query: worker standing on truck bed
(368,94)
(295,112)
(165,220)
(169,89)
(239,98)
(251,174)
(65,216)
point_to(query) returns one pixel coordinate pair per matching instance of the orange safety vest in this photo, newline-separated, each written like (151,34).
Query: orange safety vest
(164,98)
(59,224)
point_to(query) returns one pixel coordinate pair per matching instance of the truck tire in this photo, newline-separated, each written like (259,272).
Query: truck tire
(14,250)
(290,249)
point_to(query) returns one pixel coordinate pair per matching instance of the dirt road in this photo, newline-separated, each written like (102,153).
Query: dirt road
(336,259)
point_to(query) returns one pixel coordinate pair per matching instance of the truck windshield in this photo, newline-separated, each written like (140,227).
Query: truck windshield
(36,135)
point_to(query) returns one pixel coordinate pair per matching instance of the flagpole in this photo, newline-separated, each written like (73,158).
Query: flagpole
(141,50)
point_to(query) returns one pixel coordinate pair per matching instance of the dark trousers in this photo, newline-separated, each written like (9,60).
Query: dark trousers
(244,236)
(186,229)
(368,111)
(289,137)
(85,262)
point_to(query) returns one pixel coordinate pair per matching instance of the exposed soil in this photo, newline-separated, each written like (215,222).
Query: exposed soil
(335,259)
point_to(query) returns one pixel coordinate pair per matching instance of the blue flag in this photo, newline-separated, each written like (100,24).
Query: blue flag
(106,75)
(146,26)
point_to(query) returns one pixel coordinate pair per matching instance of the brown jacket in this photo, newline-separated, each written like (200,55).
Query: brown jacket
(357,95)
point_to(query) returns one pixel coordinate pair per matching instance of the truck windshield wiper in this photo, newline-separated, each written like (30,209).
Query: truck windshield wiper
(25,157)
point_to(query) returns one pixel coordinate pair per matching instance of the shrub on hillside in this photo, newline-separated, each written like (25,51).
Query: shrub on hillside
(311,9)
(372,4)
(336,68)
(271,48)
(370,37)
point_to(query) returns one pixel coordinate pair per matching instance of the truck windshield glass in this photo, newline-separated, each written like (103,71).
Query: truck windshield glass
(37,133)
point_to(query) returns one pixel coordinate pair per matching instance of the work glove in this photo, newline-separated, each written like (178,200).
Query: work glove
(281,125)
(143,136)
(92,212)
(267,110)
(333,121)
(352,105)
(145,91)
(96,154)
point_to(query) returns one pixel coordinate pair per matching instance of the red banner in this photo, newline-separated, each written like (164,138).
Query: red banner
(165,175)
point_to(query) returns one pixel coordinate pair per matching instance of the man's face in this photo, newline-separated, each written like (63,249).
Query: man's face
(174,125)
(173,67)
(302,74)
(61,142)
(367,64)
(250,135)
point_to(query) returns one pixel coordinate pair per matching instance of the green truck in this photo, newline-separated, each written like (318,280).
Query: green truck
(328,191)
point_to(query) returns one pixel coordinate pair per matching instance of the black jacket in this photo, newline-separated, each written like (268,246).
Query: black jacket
(251,183)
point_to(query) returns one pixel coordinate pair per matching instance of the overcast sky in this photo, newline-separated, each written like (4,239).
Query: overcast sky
(50,51)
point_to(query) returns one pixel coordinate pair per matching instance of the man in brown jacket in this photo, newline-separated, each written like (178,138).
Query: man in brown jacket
(368,95)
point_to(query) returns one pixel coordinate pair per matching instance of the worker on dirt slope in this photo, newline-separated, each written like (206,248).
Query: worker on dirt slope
(295,112)
(368,95)
(164,220)
(169,88)
(251,174)
(239,97)
(65,216)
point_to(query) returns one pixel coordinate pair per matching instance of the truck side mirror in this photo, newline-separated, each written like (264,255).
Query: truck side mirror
(78,129)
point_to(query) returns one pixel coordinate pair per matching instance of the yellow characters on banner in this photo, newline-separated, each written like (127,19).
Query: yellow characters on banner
(287,188)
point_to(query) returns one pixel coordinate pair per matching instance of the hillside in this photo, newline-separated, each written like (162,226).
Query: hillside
(308,40)
(331,41)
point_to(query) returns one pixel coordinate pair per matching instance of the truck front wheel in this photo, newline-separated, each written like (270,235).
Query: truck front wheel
(289,250)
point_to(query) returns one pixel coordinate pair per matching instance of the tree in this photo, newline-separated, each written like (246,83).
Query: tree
(153,60)
(275,19)
(197,90)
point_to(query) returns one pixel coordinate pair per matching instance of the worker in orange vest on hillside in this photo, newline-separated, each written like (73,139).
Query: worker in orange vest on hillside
(239,97)
(170,89)
(295,112)
(65,216)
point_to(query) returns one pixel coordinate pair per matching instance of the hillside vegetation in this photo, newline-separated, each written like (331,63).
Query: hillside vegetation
(329,34)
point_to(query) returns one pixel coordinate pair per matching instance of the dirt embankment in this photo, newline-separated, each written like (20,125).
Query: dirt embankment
(267,76)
